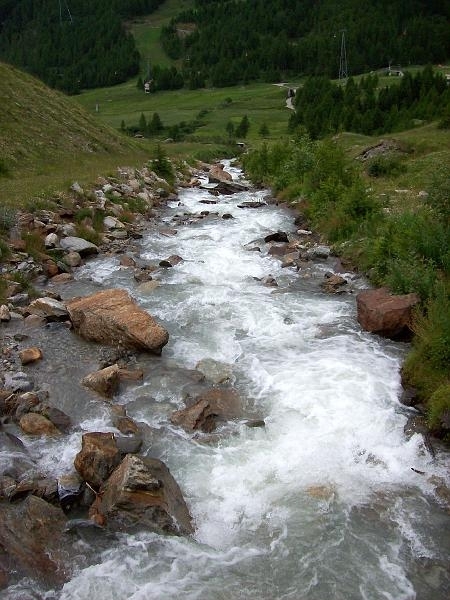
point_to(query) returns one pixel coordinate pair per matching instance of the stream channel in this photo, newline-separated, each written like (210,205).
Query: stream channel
(325,501)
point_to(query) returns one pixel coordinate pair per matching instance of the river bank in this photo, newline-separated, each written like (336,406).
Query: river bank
(301,365)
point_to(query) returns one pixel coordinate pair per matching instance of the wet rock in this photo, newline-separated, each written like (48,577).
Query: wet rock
(277,236)
(34,321)
(98,457)
(255,423)
(217,174)
(49,309)
(112,317)
(131,444)
(56,416)
(131,374)
(72,259)
(277,250)
(32,539)
(142,493)
(385,314)
(36,424)
(317,253)
(269,281)
(18,382)
(62,278)
(171,261)
(105,382)
(215,371)
(211,407)
(333,284)
(30,355)
(80,245)
(252,204)
(126,425)
(226,216)
(70,489)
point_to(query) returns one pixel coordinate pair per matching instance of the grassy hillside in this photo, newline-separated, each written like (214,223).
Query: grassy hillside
(48,139)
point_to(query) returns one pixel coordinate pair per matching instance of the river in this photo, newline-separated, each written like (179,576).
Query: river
(325,501)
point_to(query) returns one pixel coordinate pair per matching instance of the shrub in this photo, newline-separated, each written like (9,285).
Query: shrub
(439,404)
(385,166)
(162,166)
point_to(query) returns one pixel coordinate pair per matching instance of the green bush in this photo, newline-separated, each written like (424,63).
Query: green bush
(385,166)
(439,404)
(162,166)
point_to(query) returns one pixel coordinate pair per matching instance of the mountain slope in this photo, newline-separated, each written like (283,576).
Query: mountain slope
(44,134)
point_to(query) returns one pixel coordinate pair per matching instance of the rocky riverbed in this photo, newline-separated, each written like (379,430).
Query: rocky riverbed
(109,343)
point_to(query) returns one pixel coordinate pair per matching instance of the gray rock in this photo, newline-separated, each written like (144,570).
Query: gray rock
(77,244)
(48,308)
(18,382)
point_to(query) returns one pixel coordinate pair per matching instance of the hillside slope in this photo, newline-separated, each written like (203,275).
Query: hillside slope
(46,135)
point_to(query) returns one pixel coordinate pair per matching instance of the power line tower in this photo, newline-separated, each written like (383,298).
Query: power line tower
(343,67)
(66,12)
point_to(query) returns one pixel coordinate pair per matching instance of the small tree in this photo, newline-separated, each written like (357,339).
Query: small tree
(230,129)
(243,127)
(142,124)
(264,130)
(155,125)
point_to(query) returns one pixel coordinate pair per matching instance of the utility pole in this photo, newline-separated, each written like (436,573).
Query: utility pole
(61,11)
(343,67)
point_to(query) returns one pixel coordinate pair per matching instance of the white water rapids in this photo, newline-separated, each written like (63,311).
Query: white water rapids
(320,504)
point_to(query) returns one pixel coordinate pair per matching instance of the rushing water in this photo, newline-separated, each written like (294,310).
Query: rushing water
(323,503)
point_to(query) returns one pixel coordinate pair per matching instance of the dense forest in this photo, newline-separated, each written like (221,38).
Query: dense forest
(324,107)
(224,42)
(71,44)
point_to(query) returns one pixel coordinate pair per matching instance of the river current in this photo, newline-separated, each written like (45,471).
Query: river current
(325,501)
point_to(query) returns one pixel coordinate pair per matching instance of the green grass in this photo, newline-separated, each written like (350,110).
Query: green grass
(261,102)
(47,140)
(146,32)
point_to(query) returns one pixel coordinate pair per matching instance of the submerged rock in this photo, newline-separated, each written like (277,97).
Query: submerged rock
(113,318)
(210,408)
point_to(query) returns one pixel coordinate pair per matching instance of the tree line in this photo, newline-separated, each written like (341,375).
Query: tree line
(233,42)
(324,107)
(71,44)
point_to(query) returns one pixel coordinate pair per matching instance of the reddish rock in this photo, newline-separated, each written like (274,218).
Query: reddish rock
(112,317)
(333,284)
(385,314)
(210,407)
(35,424)
(30,355)
(32,540)
(105,382)
(218,174)
(98,457)
(142,492)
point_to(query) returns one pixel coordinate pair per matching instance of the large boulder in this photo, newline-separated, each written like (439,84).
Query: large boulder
(111,317)
(35,424)
(32,540)
(385,314)
(98,457)
(142,492)
(210,408)
(218,174)
(77,244)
